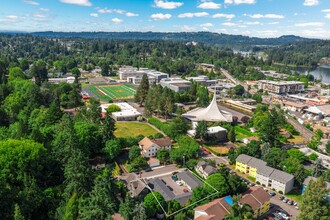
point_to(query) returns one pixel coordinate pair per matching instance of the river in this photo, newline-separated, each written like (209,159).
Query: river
(321,72)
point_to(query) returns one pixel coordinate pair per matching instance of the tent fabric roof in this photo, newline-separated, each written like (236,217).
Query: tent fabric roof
(212,113)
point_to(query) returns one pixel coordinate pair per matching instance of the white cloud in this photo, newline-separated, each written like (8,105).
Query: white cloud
(77,2)
(272,23)
(209,5)
(187,28)
(117,20)
(311,2)
(326,10)
(166,4)
(310,24)
(94,15)
(273,16)
(12,17)
(206,25)
(252,23)
(327,16)
(39,15)
(31,2)
(44,9)
(228,16)
(315,33)
(238,2)
(191,15)
(130,14)
(229,24)
(161,16)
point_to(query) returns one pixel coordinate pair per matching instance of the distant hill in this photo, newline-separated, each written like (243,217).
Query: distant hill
(201,37)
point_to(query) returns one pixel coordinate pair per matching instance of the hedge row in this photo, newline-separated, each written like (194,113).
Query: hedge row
(164,127)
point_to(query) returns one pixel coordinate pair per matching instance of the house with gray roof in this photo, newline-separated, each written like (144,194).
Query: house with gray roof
(159,186)
(204,169)
(189,179)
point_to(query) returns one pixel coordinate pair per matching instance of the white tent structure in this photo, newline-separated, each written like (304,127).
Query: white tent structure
(212,113)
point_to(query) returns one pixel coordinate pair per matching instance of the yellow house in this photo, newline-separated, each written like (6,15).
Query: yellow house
(258,199)
(249,165)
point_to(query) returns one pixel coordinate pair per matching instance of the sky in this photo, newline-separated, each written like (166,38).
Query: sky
(258,18)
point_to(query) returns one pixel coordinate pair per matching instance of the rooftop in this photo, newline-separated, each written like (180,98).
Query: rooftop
(282,83)
(189,179)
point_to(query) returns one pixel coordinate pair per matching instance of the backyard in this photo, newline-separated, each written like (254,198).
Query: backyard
(127,129)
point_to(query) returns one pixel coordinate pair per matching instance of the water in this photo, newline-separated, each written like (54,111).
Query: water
(321,72)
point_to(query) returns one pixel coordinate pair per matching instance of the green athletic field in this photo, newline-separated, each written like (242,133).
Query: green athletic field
(115,92)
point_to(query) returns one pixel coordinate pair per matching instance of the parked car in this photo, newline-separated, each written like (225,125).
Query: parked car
(265,189)
(290,202)
(272,193)
(285,200)
(281,197)
(174,178)
(295,204)
(179,183)
(185,190)
(297,207)
(148,169)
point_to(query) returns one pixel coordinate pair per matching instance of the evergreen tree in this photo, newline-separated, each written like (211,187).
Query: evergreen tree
(17,213)
(139,212)
(39,71)
(71,208)
(203,99)
(315,202)
(201,130)
(142,90)
(232,134)
(126,209)
(108,128)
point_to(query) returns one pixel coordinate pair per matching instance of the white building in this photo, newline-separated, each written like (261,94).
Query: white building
(128,74)
(126,113)
(203,80)
(281,87)
(150,147)
(176,84)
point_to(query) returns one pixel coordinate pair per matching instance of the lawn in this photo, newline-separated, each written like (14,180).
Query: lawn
(295,196)
(297,139)
(115,92)
(129,129)
(242,133)
(219,149)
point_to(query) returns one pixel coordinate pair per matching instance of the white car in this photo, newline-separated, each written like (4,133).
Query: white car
(179,183)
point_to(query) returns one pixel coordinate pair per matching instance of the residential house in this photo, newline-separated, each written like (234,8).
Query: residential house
(135,186)
(257,198)
(249,139)
(285,133)
(204,169)
(150,147)
(189,180)
(265,175)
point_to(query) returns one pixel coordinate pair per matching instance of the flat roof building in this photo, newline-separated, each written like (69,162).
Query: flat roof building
(281,87)
(175,84)
(132,72)
(126,113)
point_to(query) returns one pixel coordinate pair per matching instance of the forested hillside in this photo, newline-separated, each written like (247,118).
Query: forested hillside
(214,39)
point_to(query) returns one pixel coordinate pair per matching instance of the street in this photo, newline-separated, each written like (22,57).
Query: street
(160,171)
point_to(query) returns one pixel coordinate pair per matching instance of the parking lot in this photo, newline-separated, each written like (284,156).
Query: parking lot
(172,185)
(290,209)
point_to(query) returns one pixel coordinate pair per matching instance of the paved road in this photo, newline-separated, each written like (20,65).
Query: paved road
(233,112)
(236,81)
(290,209)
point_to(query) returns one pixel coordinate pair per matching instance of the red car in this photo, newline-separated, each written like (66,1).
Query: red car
(185,190)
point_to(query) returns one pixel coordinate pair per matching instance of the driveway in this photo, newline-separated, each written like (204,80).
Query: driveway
(290,209)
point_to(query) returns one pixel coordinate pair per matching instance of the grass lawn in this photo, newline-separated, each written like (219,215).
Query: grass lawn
(219,149)
(115,92)
(296,139)
(294,195)
(129,129)
(242,133)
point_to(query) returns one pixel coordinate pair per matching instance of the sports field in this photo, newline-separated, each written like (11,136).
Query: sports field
(115,92)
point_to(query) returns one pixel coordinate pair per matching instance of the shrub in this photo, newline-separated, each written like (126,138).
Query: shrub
(258,182)
(313,156)
(263,185)
(280,192)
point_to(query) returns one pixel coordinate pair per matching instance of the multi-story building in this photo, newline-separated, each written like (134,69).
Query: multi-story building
(130,73)
(203,80)
(204,169)
(265,175)
(281,87)
(257,198)
(150,147)
(175,84)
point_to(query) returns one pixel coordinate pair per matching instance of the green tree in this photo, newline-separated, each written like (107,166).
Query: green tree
(102,201)
(112,149)
(76,73)
(113,108)
(239,211)
(134,152)
(126,208)
(17,213)
(89,138)
(297,154)
(257,97)
(203,99)
(94,111)
(327,147)
(108,128)
(270,128)
(15,73)
(201,130)
(71,208)
(274,157)
(239,90)
(39,72)
(139,163)
(153,203)
(142,90)
(163,156)
(139,212)
(232,134)
(178,127)
(217,182)
(314,203)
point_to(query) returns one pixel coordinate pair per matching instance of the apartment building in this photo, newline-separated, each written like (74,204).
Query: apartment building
(150,147)
(281,87)
(265,175)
